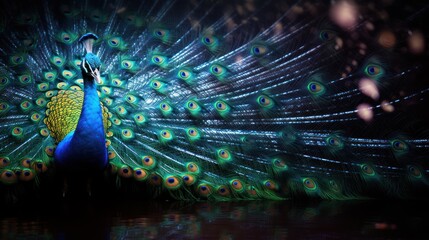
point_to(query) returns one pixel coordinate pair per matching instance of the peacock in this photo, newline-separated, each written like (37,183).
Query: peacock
(213,100)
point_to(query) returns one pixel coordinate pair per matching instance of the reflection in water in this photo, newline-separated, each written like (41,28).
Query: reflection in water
(209,220)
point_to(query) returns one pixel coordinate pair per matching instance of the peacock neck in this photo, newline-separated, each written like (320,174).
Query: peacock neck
(90,129)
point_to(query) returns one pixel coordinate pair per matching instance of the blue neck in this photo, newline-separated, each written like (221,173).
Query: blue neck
(90,127)
(85,149)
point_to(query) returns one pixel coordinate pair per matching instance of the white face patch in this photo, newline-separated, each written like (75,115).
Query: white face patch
(94,73)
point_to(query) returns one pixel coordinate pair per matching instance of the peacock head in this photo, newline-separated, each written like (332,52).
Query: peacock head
(91,63)
(87,40)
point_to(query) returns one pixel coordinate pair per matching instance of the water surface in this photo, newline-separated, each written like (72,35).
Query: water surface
(221,220)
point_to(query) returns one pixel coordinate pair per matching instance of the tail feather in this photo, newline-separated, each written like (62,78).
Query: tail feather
(222,101)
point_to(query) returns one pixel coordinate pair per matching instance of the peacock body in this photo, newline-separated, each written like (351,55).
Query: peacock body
(213,99)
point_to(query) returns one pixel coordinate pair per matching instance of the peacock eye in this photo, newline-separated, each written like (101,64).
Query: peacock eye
(4,161)
(121,110)
(127,134)
(204,189)
(326,35)
(3,81)
(42,86)
(155,179)
(131,98)
(35,117)
(66,37)
(367,170)
(192,105)
(193,134)
(399,145)
(188,179)
(68,74)
(209,40)
(44,132)
(172,182)
(220,105)
(223,190)
(111,155)
(166,136)
(106,90)
(258,50)
(140,174)
(40,166)
(156,84)
(148,161)
(125,171)
(224,155)
(309,184)
(334,142)
(25,79)
(116,121)
(270,184)
(117,82)
(114,42)
(165,106)
(316,88)
(265,101)
(127,64)
(192,167)
(237,185)
(41,102)
(222,108)
(251,190)
(17,131)
(139,118)
(279,165)
(185,74)
(159,32)
(4,106)
(17,59)
(8,177)
(158,59)
(57,61)
(50,76)
(217,69)
(373,70)
(414,171)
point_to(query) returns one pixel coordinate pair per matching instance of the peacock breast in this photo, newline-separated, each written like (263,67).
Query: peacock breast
(63,112)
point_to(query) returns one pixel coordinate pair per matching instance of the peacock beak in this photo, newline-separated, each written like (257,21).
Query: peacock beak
(97,76)
(95,73)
